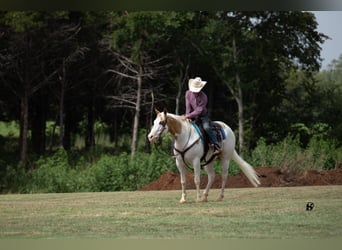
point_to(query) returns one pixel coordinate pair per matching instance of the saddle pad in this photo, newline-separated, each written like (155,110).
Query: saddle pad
(223,133)
(198,130)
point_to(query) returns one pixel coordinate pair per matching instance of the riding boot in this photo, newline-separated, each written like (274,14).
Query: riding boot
(212,137)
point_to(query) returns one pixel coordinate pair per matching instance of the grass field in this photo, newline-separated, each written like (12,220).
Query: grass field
(254,213)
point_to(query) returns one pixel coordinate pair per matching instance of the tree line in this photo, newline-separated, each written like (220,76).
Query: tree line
(77,67)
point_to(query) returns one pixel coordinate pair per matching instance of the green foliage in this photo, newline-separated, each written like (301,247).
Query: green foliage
(9,129)
(53,174)
(75,49)
(274,154)
(113,174)
(21,21)
(289,155)
(13,179)
(76,172)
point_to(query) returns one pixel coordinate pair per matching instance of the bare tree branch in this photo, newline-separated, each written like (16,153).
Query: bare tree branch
(122,74)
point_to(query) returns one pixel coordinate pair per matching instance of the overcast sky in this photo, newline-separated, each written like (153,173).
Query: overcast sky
(330,24)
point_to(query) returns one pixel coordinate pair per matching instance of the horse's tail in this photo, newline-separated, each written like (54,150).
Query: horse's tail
(247,169)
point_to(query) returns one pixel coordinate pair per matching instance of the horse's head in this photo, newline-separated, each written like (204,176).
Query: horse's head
(159,126)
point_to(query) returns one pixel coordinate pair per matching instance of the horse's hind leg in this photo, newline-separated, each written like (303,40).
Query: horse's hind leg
(225,167)
(211,177)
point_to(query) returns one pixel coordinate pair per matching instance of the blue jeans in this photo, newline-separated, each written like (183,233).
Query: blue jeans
(206,126)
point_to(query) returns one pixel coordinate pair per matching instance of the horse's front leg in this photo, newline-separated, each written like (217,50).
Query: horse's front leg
(182,171)
(197,179)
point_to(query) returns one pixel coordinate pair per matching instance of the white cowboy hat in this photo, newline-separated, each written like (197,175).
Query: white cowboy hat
(195,85)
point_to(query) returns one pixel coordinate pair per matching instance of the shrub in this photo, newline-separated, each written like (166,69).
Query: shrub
(275,154)
(117,173)
(53,174)
(290,156)
(13,179)
(323,154)
(112,173)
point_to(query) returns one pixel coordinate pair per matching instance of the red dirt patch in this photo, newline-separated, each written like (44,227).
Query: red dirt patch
(269,177)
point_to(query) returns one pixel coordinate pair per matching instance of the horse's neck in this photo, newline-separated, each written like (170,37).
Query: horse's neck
(175,125)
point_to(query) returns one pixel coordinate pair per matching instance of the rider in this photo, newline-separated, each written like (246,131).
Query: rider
(196,107)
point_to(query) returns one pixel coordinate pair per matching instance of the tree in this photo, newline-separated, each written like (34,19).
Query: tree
(34,56)
(329,98)
(256,49)
(134,42)
(71,66)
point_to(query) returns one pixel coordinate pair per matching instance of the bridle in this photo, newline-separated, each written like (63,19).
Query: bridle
(163,124)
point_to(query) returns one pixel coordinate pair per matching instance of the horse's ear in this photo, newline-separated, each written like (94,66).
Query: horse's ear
(165,111)
(157,111)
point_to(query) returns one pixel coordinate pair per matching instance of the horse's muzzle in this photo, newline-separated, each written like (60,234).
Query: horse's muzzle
(152,138)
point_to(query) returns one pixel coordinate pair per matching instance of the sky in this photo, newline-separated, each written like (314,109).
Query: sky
(329,23)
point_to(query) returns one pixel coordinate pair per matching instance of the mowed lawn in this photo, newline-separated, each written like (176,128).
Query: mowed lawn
(255,213)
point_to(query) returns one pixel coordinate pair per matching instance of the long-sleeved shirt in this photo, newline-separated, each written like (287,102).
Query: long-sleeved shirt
(195,104)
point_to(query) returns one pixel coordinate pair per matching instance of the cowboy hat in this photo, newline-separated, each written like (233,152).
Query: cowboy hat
(195,85)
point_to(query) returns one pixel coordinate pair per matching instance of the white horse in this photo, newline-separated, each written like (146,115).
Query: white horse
(188,149)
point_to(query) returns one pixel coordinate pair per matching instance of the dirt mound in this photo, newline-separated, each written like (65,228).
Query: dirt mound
(269,177)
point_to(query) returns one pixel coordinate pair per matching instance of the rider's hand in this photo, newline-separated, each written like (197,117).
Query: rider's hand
(183,117)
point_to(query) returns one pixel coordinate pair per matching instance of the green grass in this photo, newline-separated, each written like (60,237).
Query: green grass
(261,213)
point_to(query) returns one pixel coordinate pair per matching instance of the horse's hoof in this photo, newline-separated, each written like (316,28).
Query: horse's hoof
(182,201)
(220,198)
(205,198)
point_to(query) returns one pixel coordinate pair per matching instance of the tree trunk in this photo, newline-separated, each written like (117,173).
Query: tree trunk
(39,123)
(67,126)
(179,92)
(90,137)
(137,114)
(23,128)
(61,107)
(182,79)
(239,102)
(114,136)
(148,123)
(238,98)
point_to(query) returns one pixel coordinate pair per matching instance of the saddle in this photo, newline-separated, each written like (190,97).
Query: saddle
(218,131)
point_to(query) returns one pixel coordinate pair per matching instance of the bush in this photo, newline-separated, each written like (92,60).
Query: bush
(13,179)
(289,155)
(112,173)
(67,172)
(117,173)
(323,154)
(54,174)
(275,154)
(99,170)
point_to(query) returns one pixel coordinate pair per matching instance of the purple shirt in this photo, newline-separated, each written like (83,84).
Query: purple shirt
(195,105)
